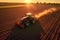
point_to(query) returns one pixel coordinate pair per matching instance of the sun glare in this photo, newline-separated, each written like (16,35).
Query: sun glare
(28,1)
(29,13)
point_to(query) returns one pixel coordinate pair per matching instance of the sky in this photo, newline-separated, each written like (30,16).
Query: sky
(22,1)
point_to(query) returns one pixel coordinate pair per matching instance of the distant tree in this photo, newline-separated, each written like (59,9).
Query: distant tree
(40,2)
(37,3)
(44,2)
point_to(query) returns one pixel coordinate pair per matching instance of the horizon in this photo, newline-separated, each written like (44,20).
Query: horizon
(23,2)
(31,1)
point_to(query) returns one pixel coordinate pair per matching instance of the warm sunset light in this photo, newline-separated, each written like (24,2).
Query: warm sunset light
(28,1)
(33,1)
(29,13)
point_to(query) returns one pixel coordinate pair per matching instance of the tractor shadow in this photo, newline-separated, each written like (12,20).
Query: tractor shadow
(28,33)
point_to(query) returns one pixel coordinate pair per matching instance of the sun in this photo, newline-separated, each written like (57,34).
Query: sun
(28,1)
